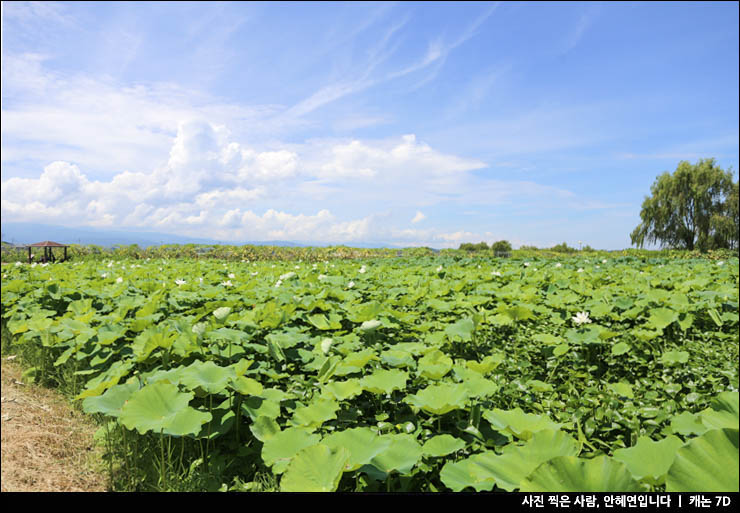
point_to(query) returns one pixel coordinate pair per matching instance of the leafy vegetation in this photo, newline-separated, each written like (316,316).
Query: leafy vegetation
(430,373)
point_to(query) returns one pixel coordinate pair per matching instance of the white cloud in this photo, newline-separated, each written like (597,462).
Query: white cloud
(418,217)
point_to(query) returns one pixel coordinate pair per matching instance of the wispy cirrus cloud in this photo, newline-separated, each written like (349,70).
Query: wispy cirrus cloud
(436,52)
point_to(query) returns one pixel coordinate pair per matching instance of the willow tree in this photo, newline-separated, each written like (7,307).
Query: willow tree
(693,208)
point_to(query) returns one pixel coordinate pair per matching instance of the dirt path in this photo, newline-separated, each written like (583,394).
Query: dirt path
(47,446)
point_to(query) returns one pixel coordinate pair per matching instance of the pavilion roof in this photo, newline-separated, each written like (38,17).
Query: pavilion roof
(47,244)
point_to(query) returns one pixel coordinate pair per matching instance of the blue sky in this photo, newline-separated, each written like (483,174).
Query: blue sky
(406,123)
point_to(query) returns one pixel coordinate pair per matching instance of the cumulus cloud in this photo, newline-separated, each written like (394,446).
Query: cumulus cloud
(418,217)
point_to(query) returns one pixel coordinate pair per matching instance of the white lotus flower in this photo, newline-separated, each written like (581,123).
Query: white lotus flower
(119,280)
(110,264)
(279,282)
(603,261)
(362,270)
(558,265)
(287,276)
(350,285)
(721,262)
(227,283)
(255,273)
(232,276)
(495,273)
(180,282)
(526,264)
(439,269)
(104,275)
(581,318)
(297,267)
(322,277)
(200,280)
(18,263)
(580,270)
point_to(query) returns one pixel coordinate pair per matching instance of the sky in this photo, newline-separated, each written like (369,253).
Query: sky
(410,123)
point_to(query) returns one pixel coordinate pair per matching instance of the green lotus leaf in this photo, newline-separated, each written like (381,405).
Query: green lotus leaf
(516,462)
(442,445)
(439,399)
(715,317)
(522,425)
(620,348)
(384,381)
(400,456)
(315,469)
(686,322)
(321,322)
(108,334)
(396,358)
(517,313)
(222,422)
(207,376)
(315,414)
(162,408)
(362,443)
(342,390)
(722,413)
(462,329)
(488,364)
(650,460)
(660,318)
(150,339)
(674,357)
(256,407)
(539,386)
(365,312)
(354,362)
(547,338)
(264,428)
(478,386)
(286,339)
(687,424)
(459,475)
(111,402)
(561,349)
(434,364)
(105,380)
(246,386)
(623,389)
(278,450)
(572,474)
(708,463)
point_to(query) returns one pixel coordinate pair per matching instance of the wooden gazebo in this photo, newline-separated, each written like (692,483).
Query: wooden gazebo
(48,255)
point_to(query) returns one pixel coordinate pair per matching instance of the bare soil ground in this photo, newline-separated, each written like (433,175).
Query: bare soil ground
(47,446)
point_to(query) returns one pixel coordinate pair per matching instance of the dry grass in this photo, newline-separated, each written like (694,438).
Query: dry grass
(46,445)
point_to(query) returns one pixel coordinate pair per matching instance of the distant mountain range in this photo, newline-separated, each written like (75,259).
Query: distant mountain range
(28,233)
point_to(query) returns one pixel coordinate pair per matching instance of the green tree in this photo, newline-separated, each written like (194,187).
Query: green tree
(563,248)
(502,246)
(690,209)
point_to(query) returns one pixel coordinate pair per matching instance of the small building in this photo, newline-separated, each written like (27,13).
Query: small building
(48,254)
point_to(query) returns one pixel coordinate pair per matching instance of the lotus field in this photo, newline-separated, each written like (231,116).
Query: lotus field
(399,374)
